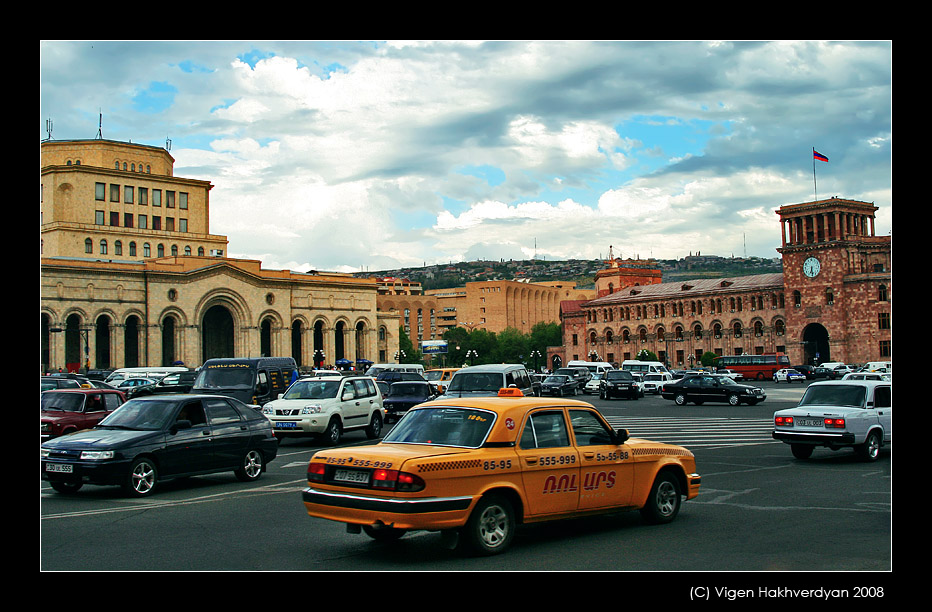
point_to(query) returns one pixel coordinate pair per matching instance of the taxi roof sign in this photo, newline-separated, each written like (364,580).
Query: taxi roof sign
(510,392)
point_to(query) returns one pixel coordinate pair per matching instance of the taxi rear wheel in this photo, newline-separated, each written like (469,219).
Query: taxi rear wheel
(491,526)
(663,503)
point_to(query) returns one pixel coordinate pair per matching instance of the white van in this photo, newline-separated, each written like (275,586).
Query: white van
(644,367)
(377,368)
(595,367)
(118,376)
(878,366)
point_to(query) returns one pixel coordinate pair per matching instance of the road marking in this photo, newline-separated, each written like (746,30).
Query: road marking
(698,432)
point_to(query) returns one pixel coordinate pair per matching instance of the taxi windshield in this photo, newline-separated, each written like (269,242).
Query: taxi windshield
(319,388)
(443,426)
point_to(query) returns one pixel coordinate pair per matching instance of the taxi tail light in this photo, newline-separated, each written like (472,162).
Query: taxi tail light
(396,480)
(786,421)
(315,471)
(835,423)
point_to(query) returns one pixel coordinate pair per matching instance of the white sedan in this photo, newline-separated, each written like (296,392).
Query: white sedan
(838,414)
(592,386)
(789,375)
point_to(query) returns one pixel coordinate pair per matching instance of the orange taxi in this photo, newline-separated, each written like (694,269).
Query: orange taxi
(476,468)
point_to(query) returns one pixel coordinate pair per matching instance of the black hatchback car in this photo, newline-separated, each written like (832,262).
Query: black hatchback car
(559,385)
(152,439)
(711,388)
(404,395)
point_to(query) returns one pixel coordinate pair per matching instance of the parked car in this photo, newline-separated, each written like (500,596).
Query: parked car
(326,407)
(805,370)
(477,468)
(440,377)
(403,396)
(730,374)
(868,376)
(618,383)
(579,375)
(559,385)
(821,373)
(486,381)
(178,382)
(393,376)
(593,385)
(654,381)
(57,382)
(152,439)
(711,388)
(788,375)
(839,414)
(66,411)
(130,383)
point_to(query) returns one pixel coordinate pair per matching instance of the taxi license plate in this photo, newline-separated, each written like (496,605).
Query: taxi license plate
(809,422)
(285,425)
(351,476)
(57,467)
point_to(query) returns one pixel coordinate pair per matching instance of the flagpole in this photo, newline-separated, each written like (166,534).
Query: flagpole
(814,185)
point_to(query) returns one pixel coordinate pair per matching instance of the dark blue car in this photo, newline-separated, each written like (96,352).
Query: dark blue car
(152,439)
(404,395)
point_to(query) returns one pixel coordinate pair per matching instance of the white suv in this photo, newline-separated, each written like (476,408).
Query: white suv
(326,407)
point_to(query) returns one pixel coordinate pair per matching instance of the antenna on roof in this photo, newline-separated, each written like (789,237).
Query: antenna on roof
(48,127)
(168,143)
(100,124)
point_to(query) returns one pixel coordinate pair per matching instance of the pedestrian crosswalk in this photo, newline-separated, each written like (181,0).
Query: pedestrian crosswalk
(708,432)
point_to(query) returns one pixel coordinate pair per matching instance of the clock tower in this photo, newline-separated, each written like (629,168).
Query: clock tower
(837,281)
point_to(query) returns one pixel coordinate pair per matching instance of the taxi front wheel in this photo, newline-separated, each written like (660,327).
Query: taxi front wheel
(491,526)
(663,503)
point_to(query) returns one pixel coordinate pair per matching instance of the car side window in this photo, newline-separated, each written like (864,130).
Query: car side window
(94,403)
(370,385)
(221,412)
(883,397)
(509,379)
(194,412)
(362,390)
(112,401)
(263,383)
(588,429)
(546,429)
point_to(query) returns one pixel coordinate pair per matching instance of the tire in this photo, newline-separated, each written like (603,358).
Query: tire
(679,399)
(491,526)
(251,467)
(332,434)
(142,478)
(802,451)
(374,430)
(733,400)
(663,503)
(870,450)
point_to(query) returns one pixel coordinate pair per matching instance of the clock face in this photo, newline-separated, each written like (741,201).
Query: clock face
(811,267)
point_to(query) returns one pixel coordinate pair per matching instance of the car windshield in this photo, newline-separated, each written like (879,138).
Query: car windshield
(407,389)
(321,388)
(139,414)
(476,381)
(834,395)
(619,375)
(225,378)
(443,426)
(727,381)
(433,374)
(556,378)
(69,402)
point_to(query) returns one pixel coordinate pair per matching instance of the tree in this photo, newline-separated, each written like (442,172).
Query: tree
(406,351)
(708,358)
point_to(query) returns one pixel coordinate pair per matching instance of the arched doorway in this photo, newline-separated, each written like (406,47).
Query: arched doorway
(131,342)
(73,343)
(297,347)
(168,341)
(217,333)
(102,342)
(815,344)
(319,355)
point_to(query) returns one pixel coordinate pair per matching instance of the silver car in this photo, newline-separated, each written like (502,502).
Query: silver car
(838,414)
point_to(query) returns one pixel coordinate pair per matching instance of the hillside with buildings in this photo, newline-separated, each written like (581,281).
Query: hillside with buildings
(581,271)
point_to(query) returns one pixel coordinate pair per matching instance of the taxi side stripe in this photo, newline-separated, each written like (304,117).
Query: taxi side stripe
(382,504)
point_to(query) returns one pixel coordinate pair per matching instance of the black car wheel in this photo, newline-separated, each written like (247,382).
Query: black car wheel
(374,430)
(679,399)
(733,400)
(142,478)
(870,450)
(802,451)
(251,467)
(333,432)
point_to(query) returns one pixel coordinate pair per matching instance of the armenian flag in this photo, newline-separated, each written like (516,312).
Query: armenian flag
(818,156)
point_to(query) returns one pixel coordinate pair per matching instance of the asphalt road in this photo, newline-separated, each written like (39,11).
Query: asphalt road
(759,510)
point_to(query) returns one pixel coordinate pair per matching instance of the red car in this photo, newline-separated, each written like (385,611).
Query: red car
(66,411)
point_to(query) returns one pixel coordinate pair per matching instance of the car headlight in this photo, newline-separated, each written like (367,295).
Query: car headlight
(312,409)
(96,455)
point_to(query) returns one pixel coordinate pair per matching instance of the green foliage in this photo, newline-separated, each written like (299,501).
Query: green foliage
(708,358)
(406,351)
(508,346)
(646,355)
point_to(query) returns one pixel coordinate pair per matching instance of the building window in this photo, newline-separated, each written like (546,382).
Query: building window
(115,219)
(143,221)
(143,196)
(169,199)
(883,320)
(182,225)
(117,248)
(169,224)
(128,220)
(146,250)
(132,249)
(182,200)
(100,191)
(882,293)
(114,193)
(100,218)
(187,251)
(128,194)
(88,246)
(156,223)
(103,247)
(174,250)
(156,197)
(160,250)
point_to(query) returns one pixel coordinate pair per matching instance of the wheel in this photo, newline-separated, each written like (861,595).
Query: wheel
(374,430)
(663,503)
(679,399)
(802,451)
(491,526)
(733,400)
(142,478)
(385,534)
(65,487)
(251,467)
(870,450)
(333,432)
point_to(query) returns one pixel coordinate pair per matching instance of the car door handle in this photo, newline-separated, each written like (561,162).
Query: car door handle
(531,460)
(588,455)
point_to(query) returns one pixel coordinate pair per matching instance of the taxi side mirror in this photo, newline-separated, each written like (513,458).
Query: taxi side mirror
(621,436)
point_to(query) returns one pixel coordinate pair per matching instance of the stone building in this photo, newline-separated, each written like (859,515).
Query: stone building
(130,275)
(831,303)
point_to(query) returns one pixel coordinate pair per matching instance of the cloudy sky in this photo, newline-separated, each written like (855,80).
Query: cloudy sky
(355,156)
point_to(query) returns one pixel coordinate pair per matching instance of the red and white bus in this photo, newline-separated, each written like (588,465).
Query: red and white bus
(758,367)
